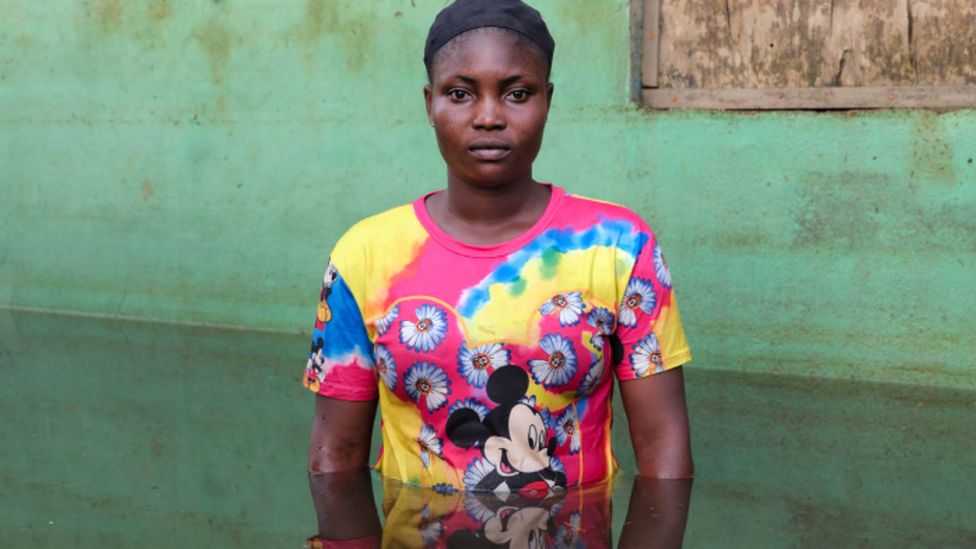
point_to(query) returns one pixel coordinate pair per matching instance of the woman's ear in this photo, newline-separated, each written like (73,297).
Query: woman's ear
(549,89)
(427,99)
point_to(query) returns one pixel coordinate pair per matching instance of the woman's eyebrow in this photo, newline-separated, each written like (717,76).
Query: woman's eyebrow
(512,79)
(505,82)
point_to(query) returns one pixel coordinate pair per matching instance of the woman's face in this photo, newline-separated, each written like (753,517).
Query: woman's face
(488,100)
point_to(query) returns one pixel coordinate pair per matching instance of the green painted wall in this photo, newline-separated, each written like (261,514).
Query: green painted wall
(194,161)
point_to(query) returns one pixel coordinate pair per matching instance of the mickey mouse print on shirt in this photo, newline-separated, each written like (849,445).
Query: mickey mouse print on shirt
(513,438)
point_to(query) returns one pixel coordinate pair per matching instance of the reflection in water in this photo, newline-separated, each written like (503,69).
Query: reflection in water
(418,517)
(344,508)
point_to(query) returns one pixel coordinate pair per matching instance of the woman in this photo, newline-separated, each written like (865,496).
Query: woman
(486,319)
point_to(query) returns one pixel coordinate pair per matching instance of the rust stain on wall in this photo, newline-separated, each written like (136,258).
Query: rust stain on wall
(358,40)
(109,14)
(354,32)
(320,17)
(159,10)
(147,190)
(216,41)
(355,35)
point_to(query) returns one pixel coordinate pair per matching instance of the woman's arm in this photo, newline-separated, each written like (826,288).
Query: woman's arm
(658,420)
(341,433)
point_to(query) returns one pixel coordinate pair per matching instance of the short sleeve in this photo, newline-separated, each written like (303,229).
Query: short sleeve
(649,329)
(340,361)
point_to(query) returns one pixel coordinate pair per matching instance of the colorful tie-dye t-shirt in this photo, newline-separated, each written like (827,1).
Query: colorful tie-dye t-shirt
(492,363)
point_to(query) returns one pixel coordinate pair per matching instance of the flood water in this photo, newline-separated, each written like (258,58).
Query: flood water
(120,434)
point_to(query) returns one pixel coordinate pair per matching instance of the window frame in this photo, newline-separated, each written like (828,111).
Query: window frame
(653,96)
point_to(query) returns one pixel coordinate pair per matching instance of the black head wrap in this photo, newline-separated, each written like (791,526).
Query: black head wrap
(464,15)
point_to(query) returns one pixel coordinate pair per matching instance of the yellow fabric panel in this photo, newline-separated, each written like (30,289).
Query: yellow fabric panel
(539,281)
(375,250)
(401,456)
(671,336)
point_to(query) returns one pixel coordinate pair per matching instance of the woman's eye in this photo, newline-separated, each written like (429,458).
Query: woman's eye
(457,94)
(519,95)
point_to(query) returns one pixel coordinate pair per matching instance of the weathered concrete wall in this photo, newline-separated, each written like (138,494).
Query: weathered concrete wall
(194,161)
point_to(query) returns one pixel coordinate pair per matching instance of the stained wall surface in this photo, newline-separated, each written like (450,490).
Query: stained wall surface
(194,161)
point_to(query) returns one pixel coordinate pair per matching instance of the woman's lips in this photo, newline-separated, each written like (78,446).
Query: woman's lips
(489,150)
(489,154)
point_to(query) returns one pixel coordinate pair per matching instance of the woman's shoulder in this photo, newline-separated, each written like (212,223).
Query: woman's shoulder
(382,227)
(604,212)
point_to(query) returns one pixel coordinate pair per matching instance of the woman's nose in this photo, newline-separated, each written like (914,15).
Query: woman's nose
(488,115)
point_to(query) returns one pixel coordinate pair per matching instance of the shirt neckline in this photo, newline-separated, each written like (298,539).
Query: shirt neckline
(494,250)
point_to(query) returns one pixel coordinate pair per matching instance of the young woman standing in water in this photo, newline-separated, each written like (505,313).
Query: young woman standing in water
(488,319)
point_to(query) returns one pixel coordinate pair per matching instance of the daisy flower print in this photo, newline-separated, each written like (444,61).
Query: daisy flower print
(428,382)
(474,363)
(476,472)
(596,340)
(661,267)
(385,367)
(444,488)
(602,319)
(638,297)
(383,323)
(431,531)
(476,509)
(647,356)
(567,429)
(428,332)
(591,379)
(556,465)
(471,404)
(569,307)
(429,444)
(559,366)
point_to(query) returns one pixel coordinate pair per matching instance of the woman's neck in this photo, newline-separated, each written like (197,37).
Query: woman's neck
(488,215)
